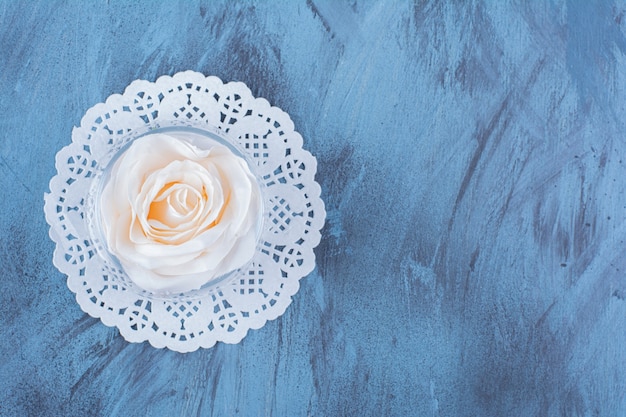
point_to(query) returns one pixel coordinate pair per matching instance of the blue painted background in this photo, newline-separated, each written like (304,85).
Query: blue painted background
(473,164)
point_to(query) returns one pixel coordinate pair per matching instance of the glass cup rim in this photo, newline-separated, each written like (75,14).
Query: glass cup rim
(111,264)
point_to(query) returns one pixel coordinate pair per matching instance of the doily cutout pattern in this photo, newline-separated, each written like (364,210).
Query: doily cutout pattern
(294,212)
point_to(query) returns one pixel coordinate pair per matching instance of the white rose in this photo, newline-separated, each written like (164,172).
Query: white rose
(177,216)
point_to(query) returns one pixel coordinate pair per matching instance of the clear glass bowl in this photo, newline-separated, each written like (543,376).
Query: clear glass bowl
(200,135)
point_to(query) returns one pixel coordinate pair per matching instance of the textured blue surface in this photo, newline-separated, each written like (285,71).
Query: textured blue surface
(472,158)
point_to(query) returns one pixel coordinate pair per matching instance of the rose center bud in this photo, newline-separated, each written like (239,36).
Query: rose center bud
(176,203)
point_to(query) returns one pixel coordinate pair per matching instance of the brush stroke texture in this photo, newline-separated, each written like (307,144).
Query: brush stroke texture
(473,163)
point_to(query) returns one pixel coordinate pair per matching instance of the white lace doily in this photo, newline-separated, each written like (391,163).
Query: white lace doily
(294,212)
